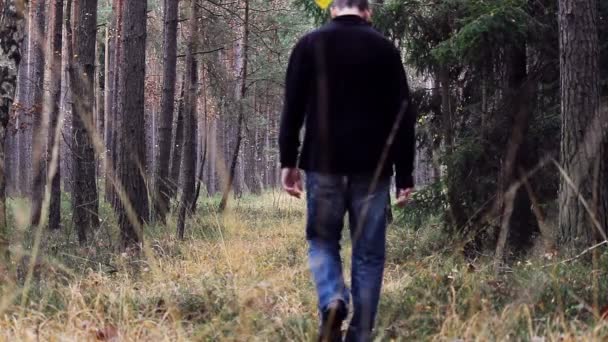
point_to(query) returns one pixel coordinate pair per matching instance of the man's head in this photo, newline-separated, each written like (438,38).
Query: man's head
(351,7)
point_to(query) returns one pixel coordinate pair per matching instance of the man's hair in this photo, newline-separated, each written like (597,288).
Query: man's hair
(362,5)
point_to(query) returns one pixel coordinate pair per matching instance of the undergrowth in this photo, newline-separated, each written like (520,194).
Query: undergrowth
(243,276)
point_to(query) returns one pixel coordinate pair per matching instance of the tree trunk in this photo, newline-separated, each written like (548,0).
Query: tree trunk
(265,150)
(66,102)
(240,97)
(177,142)
(165,123)
(24,118)
(522,227)
(132,209)
(39,124)
(100,100)
(112,177)
(201,168)
(583,149)
(52,101)
(19,108)
(213,155)
(455,211)
(203,144)
(188,168)
(251,172)
(11,35)
(109,102)
(9,162)
(514,202)
(82,75)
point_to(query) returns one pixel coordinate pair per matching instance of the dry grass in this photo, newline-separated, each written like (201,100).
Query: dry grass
(244,277)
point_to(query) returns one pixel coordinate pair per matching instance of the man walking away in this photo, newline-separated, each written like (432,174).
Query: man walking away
(347,86)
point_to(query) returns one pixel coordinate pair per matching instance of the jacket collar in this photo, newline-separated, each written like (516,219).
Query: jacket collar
(350,19)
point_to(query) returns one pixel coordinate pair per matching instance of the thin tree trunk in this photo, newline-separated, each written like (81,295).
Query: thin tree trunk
(240,96)
(514,206)
(188,168)
(19,108)
(109,96)
(133,208)
(52,102)
(583,141)
(203,144)
(39,124)
(82,79)
(212,168)
(455,211)
(162,189)
(100,99)
(201,168)
(269,164)
(221,160)
(112,177)
(249,167)
(9,162)
(178,139)
(11,34)
(24,118)
(66,102)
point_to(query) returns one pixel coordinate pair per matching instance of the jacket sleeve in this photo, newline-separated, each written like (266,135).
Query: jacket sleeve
(404,147)
(297,86)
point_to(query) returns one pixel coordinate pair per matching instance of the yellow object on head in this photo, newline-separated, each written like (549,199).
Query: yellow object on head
(324,4)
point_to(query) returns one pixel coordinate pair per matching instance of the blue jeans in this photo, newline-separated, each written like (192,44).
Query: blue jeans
(329,198)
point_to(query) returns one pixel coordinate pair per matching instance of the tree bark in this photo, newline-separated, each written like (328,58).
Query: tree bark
(116,51)
(249,167)
(202,143)
(201,171)
(514,202)
(583,141)
(11,35)
(177,142)
(165,122)
(240,96)
(19,108)
(24,121)
(455,211)
(52,102)
(66,102)
(82,74)
(132,209)
(521,226)
(39,124)
(213,155)
(188,168)
(99,101)
(109,96)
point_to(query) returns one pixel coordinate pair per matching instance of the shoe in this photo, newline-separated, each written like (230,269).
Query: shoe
(331,322)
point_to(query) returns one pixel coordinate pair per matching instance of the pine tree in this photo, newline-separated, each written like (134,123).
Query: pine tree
(82,73)
(132,196)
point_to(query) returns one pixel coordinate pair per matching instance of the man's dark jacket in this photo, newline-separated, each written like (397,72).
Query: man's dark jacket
(347,83)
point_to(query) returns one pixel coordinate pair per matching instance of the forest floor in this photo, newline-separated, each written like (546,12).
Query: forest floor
(244,277)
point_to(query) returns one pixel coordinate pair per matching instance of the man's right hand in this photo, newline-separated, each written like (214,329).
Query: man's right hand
(291,180)
(403,197)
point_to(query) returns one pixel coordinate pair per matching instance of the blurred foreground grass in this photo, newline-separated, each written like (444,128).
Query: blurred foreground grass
(244,277)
